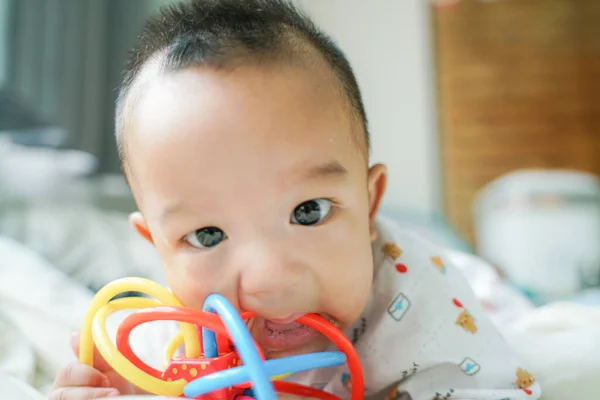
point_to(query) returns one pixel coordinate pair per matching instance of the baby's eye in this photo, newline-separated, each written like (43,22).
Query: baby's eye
(311,212)
(205,237)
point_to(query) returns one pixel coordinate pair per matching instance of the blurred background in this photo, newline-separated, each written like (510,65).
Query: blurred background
(487,113)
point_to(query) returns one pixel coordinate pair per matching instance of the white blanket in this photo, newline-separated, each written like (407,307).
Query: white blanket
(39,308)
(561,343)
(53,257)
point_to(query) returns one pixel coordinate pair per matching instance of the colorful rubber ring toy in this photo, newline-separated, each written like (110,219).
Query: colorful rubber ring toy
(221,359)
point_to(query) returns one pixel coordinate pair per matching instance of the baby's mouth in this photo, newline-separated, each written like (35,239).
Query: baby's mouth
(284,335)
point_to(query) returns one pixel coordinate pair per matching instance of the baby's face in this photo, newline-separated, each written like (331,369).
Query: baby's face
(251,184)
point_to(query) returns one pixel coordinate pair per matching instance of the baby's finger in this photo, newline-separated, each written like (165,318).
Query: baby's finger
(78,393)
(77,374)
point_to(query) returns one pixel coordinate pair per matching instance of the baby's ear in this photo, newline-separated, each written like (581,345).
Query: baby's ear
(137,220)
(377,183)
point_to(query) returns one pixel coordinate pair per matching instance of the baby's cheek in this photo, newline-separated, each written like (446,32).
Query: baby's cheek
(188,284)
(352,282)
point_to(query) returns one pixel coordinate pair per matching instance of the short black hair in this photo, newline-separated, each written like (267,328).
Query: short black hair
(224,33)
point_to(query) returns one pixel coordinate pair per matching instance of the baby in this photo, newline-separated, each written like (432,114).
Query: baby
(244,140)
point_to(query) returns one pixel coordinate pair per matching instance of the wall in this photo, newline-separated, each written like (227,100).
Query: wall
(388,44)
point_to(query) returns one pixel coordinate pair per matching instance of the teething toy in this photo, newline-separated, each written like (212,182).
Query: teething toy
(221,359)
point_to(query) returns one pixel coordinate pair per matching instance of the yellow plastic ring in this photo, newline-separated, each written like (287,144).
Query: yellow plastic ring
(119,362)
(173,345)
(145,286)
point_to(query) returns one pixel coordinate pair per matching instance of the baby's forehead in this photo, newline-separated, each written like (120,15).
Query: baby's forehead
(327,92)
(278,114)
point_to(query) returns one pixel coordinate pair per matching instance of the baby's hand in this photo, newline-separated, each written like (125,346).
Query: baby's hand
(78,381)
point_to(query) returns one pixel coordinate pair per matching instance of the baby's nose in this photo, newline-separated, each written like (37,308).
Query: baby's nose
(273,284)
